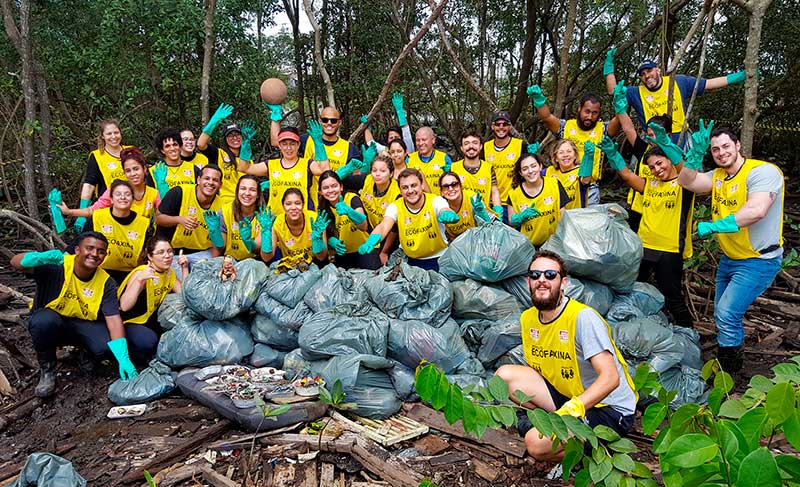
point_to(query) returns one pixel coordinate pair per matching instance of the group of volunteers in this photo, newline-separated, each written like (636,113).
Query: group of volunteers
(325,201)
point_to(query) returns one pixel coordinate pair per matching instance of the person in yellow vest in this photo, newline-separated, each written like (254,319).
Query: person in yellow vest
(299,233)
(586,127)
(477,176)
(468,205)
(747,217)
(574,368)
(186,213)
(104,165)
(143,291)
(502,152)
(76,304)
(189,152)
(666,225)
(427,160)
(535,203)
(380,189)
(566,169)
(651,96)
(125,230)
(420,219)
(399,153)
(145,198)
(172,170)
(227,156)
(239,232)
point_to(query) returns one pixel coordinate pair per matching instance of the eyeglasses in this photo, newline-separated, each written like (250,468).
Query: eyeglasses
(186,139)
(165,251)
(549,274)
(450,185)
(328,120)
(501,123)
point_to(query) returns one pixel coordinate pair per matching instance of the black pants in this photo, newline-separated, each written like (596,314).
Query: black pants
(354,260)
(668,270)
(49,329)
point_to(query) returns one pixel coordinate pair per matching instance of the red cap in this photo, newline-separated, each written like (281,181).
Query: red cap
(288,134)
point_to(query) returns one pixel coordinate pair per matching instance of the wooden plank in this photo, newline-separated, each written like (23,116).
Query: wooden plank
(448,458)
(216,479)
(283,475)
(386,432)
(326,475)
(305,474)
(503,441)
(431,445)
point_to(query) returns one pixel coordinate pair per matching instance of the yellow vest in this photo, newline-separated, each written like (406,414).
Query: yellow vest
(655,103)
(579,136)
(478,183)
(295,249)
(233,244)
(571,183)
(466,215)
(432,169)
(503,162)
(548,202)
(230,176)
(156,290)
(349,233)
(145,206)
(125,242)
(196,239)
(79,299)
(337,157)
(727,196)
(375,206)
(419,233)
(643,171)
(198,159)
(281,179)
(178,175)
(661,217)
(110,167)
(550,348)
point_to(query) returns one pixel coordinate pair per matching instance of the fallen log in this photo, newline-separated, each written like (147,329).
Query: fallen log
(23,411)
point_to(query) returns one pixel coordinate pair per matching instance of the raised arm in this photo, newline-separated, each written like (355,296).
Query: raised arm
(550,121)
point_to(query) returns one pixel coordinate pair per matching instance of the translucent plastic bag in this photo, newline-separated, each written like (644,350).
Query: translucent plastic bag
(472,299)
(643,300)
(344,330)
(172,311)
(290,287)
(283,316)
(410,293)
(591,293)
(365,382)
(336,286)
(266,331)
(48,470)
(515,356)
(498,339)
(688,382)
(518,287)
(205,343)
(153,382)
(403,381)
(266,356)
(690,343)
(412,341)
(596,242)
(648,339)
(208,296)
(490,253)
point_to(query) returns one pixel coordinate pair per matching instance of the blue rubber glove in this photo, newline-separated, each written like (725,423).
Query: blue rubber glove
(723,225)
(364,119)
(315,132)
(663,141)
(620,98)
(736,78)
(343,208)
(533,148)
(80,222)
(248,132)
(48,257)
(608,66)
(246,232)
(223,111)
(160,178)
(266,219)
(528,213)
(701,140)
(368,152)
(318,227)
(349,168)
(119,348)
(448,165)
(275,112)
(337,246)
(54,199)
(609,148)
(264,185)
(211,218)
(478,208)
(587,163)
(368,246)
(498,209)
(535,92)
(448,216)
(397,101)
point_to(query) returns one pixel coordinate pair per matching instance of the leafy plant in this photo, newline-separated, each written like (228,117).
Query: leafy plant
(335,398)
(149,479)
(427,483)
(791,259)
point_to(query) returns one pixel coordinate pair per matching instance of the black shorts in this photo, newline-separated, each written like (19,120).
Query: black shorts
(605,415)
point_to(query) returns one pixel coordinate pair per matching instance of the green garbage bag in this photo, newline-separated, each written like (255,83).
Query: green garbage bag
(205,343)
(289,287)
(206,295)
(410,342)
(344,329)
(410,293)
(266,331)
(155,381)
(472,299)
(48,470)
(266,356)
(336,286)
(365,381)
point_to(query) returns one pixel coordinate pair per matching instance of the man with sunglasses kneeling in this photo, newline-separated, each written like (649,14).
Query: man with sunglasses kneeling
(574,368)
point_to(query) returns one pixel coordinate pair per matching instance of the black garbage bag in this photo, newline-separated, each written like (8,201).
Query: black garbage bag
(344,329)
(410,342)
(472,299)
(266,331)
(206,295)
(336,286)
(205,343)
(365,382)
(643,300)
(266,356)
(155,381)
(48,470)
(410,293)
(290,287)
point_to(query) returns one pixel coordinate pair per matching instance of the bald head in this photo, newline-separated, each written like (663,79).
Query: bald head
(331,121)
(424,140)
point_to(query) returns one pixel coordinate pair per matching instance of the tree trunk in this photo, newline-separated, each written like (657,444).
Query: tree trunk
(326,79)
(208,57)
(30,108)
(758,10)
(45,119)
(527,61)
(292,8)
(563,69)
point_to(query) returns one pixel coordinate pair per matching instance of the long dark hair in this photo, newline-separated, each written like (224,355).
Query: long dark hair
(517,177)
(237,206)
(150,247)
(325,205)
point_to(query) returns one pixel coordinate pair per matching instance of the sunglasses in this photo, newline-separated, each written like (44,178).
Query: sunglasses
(329,120)
(501,123)
(451,185)
(549,274)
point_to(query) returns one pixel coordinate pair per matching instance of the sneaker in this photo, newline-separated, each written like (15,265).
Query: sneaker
(555,473)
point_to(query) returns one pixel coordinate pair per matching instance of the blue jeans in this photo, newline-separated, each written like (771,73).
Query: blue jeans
(593,195)
(739,283)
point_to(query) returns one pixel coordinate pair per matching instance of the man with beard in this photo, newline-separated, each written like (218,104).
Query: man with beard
(476,175)
(587,127)
(574,367)
(76,303)
(502,153)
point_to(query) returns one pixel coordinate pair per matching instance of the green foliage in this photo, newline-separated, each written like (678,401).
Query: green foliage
(335,397)
(791,259)
(427,483)
(149,479)
(269,411)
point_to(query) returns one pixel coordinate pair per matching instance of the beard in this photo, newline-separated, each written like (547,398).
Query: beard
(548,303)
(586,124)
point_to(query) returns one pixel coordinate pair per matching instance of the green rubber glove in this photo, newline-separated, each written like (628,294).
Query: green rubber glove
(535,92)
(368,246)
(608,66)
(264,185)
(533,148)
(348,169)
(318,227)
(662,140)
(337,246)
(723,225)
(368,153)
(266,219)
(498,209)
(528,213)
(364,119)
(609,148)
(223,111)
(478,208)
(448,165)
(701,140)
(620,98)
(119,348)
(397,101)
(448,216)
(587,163)
(80,222)
(211,218)
(54,199)
(160,178)
(343,208)
(248,132)
(246,232)
(736,78)
(48,257)
(315,132)
(275,112)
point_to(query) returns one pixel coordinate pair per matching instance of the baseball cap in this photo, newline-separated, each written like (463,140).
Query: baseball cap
(230,127)
(501,115)
(646,63)
(290,134)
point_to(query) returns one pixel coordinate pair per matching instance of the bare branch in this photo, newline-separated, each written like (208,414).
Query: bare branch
(318,52)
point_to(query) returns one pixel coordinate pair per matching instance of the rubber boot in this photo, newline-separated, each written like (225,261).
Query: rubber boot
(731,358)
(47,379)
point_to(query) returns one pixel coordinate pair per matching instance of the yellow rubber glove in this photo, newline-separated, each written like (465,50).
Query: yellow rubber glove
(573,407)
